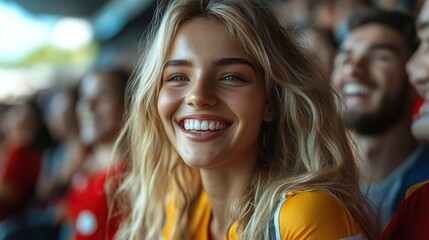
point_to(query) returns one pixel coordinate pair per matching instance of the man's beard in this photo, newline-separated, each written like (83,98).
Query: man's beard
(390,112)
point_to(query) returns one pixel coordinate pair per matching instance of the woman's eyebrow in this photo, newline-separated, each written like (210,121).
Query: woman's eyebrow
(217,63)
(229,61)
(177,62)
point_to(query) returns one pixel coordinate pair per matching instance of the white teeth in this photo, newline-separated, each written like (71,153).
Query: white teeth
(355,89)
(212,125)
(197,125)
(204,125)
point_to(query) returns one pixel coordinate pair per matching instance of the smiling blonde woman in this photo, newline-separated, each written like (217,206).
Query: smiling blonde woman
(233,133)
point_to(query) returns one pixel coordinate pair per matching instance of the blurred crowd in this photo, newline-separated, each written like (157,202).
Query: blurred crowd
(55,153)
(57,146)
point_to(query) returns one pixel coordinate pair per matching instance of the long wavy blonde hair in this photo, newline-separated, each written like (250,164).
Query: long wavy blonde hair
(306,147)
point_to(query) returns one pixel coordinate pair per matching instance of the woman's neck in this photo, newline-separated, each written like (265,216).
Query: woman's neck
(224,186)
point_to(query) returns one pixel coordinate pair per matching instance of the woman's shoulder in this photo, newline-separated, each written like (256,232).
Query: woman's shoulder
(315,214)
(312,200)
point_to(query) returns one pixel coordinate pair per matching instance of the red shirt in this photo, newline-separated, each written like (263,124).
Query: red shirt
(19,171)
(89,209)
(411,220)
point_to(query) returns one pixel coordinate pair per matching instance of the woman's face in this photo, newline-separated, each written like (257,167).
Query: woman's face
(61,117)
(212,101)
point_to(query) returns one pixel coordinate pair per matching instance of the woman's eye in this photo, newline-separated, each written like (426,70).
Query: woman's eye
(176,78)
(233,78)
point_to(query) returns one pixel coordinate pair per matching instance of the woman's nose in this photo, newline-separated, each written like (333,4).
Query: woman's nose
(201,94)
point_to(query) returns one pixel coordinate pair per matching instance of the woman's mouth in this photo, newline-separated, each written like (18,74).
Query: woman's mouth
(195,125)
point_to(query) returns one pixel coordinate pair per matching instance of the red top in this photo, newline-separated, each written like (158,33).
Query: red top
(411,220)
(88,207)
(19,171)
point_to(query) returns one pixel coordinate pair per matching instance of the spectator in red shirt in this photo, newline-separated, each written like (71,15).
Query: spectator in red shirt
(100,112)
(27,137)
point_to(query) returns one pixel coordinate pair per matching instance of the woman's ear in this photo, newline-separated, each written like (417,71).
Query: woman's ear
(268,114)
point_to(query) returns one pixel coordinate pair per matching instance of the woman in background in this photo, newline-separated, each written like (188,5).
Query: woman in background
(27,138)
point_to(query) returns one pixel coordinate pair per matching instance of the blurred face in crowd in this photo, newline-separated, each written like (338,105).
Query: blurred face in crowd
(19,124)
(100,108)
(370,74)
(61,118)
(418,70)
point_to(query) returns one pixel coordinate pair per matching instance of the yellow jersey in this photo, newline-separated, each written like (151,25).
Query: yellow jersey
(302,215)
